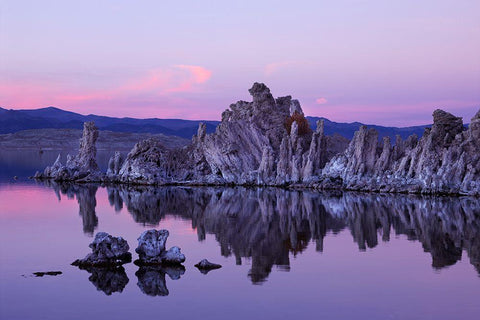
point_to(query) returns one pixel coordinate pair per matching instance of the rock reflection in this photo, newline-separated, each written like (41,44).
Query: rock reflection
(86,197)
(108,280)
(267,225)
(151,279)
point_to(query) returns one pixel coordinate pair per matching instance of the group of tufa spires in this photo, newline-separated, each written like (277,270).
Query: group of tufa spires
(264,143)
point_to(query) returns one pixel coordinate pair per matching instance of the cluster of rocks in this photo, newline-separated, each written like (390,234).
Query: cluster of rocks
(252,146)
(110,251)
(109,254)
(445,160)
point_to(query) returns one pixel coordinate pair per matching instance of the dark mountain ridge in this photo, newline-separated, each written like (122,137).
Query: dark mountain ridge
(12,121)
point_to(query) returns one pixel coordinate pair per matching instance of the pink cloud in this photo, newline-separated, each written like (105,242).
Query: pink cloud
(321,100)
(199,74)
(178,78)
(156,87)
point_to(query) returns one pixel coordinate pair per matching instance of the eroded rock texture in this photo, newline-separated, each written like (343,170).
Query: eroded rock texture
(107,251)
(445,160)
(151,249)
(250,146)
(267,142)
(82,167)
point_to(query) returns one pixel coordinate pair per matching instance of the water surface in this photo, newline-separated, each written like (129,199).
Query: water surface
(284,253)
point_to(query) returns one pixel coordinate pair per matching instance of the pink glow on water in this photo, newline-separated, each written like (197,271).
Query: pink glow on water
(16,203)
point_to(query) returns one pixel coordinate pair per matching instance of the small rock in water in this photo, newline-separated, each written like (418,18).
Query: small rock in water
(47,273)
(106,251)
(151,249)
(205,266)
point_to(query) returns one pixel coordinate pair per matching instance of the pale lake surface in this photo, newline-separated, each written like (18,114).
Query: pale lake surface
(285,254)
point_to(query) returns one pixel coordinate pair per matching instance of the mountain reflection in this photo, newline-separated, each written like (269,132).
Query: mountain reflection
(266,225)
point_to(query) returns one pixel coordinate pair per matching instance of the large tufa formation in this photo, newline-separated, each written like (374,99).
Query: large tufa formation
(250,146)
(83,166)
(445,160)
(253,146)
(268,142)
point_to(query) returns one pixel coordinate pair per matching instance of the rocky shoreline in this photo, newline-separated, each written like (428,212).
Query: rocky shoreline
(266,142)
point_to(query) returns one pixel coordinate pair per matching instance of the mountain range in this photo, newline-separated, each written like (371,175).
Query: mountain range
(12,121)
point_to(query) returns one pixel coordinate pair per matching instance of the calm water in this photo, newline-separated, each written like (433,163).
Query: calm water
(284,253)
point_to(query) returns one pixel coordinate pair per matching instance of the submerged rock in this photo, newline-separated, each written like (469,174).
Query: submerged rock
(205,266)
(47,273)
(106,251)
(151,249)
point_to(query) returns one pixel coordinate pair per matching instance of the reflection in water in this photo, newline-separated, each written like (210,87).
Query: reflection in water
(266,225)
(86,197)
(108,280)
(151,279)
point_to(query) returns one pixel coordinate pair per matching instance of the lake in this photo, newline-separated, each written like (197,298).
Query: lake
(285,254)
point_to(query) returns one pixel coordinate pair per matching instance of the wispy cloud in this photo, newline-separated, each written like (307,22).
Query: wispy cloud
(321,100)
(178,78)
(161,82)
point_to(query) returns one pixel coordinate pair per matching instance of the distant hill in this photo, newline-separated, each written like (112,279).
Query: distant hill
(348,129)
(17,120)
(12,121)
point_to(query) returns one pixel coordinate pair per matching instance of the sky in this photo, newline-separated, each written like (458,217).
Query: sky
(377,62)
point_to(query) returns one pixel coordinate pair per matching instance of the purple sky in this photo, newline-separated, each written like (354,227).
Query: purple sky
(382,62)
